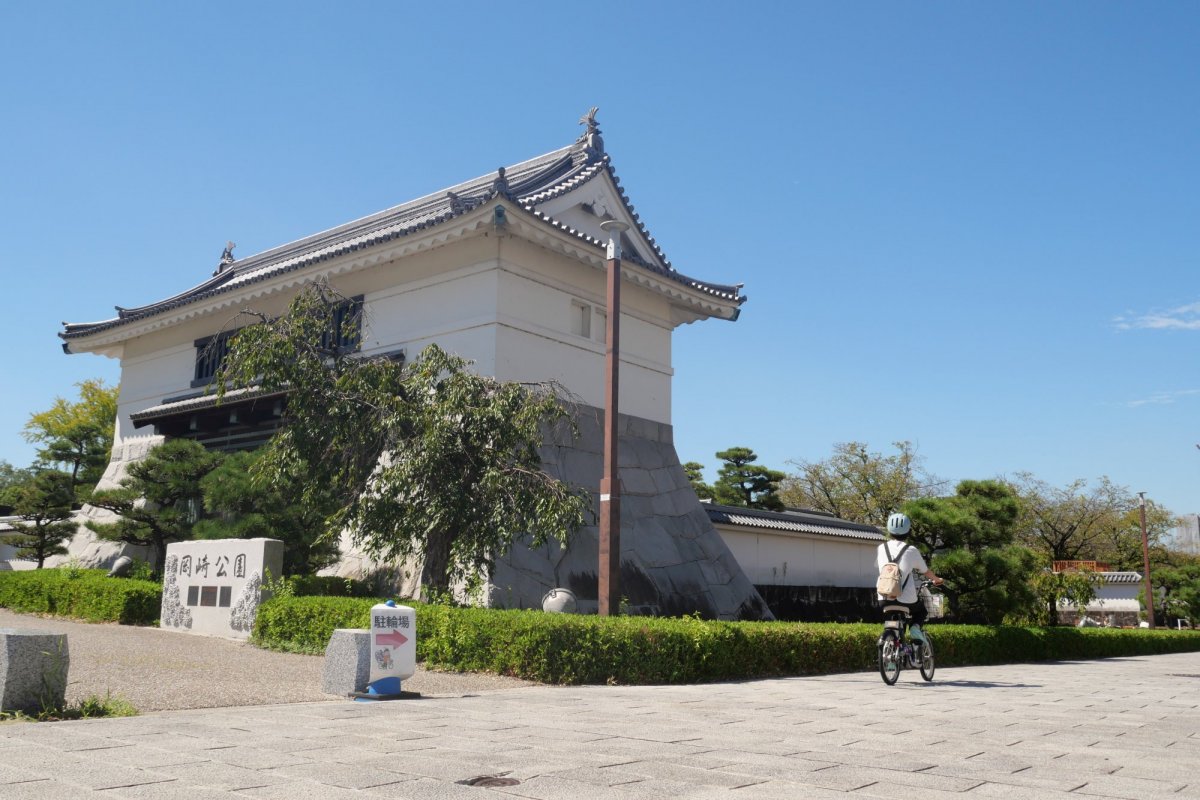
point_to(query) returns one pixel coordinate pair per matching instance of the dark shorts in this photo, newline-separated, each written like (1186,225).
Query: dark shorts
(917,612)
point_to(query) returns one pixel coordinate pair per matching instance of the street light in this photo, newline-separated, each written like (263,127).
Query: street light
(610,483)
(1146,560)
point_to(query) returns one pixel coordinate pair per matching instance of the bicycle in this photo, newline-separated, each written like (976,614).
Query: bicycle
(895,653)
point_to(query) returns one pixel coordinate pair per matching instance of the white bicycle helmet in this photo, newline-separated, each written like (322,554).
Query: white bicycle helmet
(899,525)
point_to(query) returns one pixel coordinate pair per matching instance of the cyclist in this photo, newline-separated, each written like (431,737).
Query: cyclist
(911,562)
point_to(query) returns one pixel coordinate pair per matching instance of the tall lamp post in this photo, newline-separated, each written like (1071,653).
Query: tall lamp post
(610,483)
(1146,560)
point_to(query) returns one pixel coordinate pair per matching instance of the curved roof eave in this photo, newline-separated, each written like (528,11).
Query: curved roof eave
(527,185)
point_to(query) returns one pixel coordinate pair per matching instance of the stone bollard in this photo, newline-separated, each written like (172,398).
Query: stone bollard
(347,662)
(33,670)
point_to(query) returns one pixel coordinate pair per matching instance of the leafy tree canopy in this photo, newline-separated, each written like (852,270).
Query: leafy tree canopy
(11,478)
(1099,522)
(429,460)
(77,435)
(859,485)
(1176,584)
(741,482)
(168,481)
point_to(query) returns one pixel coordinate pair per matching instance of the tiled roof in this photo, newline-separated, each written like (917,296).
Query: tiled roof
(199,403)
(798,521)
(527,185)
(1121,577)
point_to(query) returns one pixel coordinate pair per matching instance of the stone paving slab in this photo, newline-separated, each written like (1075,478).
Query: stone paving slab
(1120,728)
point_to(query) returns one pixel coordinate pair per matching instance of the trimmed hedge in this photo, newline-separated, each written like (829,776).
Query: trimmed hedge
(575,649)
(87,594)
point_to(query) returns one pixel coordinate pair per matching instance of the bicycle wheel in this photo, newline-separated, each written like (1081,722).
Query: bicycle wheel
(927,664)
(889,657)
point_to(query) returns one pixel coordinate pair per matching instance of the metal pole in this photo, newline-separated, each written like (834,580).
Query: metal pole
(1146,561)
(610,484)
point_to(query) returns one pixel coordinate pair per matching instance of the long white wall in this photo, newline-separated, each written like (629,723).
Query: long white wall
(797,559)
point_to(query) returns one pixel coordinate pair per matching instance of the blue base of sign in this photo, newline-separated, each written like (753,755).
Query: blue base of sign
(382,689)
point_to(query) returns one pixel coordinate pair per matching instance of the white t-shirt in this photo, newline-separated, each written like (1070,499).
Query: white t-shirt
(912,561)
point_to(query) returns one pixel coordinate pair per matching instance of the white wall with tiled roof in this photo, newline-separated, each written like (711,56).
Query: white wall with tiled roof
(788,558)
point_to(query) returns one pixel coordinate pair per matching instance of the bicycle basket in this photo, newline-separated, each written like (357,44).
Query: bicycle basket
(931,601)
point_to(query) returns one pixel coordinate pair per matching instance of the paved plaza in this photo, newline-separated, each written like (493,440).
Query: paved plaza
(1119,728)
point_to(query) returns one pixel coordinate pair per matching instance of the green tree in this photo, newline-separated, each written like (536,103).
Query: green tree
(78,435)
(243,504)
(741,482)
(1120,545)
(1055,590)
(44,505)
(159,500)
(428,460)
(1177,578)
(858,485)
(11,479)
(1082,522)
(970,536)
(695,475)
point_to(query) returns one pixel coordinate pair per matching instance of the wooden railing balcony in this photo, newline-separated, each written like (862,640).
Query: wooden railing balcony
(1080,566)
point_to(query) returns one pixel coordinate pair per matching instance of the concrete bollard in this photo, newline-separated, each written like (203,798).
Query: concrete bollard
(33,670)
(347,662)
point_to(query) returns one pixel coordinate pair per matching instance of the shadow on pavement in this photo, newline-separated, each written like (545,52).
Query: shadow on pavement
(985,684)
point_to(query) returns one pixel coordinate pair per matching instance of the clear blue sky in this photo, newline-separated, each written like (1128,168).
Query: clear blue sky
(972,226)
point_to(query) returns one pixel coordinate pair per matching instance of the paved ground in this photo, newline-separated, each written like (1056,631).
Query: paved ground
(159,670)
(1120,728)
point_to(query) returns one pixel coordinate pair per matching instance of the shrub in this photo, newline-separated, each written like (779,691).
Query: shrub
(329,586)
(577,649)
(87,594)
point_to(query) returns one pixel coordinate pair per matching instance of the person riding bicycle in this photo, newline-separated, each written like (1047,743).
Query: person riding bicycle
(911,563)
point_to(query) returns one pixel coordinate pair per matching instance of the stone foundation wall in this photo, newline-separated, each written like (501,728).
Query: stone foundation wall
(822,603)
(84,547)
(673,561)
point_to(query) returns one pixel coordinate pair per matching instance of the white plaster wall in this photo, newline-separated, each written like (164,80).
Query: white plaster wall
(502,302)
(772,559)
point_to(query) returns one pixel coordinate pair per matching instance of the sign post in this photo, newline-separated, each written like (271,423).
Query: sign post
(393,650)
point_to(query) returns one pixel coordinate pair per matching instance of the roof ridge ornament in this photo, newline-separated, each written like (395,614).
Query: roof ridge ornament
(227,258)
(591,139)
(500,185)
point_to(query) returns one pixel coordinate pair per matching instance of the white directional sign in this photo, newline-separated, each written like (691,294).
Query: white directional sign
(393,642)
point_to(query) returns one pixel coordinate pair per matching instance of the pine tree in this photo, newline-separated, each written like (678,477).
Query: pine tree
(744,483)
(159,501)
(44,505)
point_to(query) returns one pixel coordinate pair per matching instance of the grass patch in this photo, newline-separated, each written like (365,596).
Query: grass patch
(91,707)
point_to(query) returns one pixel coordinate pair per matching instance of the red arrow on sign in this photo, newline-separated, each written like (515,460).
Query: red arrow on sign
(395,638)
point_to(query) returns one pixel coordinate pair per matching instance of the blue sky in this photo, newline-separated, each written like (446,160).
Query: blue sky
(972,226)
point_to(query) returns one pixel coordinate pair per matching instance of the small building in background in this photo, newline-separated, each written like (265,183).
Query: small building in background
(1116,603)
(806,565)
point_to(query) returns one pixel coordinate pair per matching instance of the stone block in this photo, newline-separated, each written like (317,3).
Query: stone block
(33,670)
(347,662)
(638,481)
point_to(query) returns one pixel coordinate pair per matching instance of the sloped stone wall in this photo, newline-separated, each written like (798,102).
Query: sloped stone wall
(85,547)
(673,561)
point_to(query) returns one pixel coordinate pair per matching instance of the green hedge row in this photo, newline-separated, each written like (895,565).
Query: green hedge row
(87,594)
(571,649)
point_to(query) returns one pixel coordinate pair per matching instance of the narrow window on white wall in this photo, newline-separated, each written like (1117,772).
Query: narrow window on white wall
(581,319)
(601,325)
